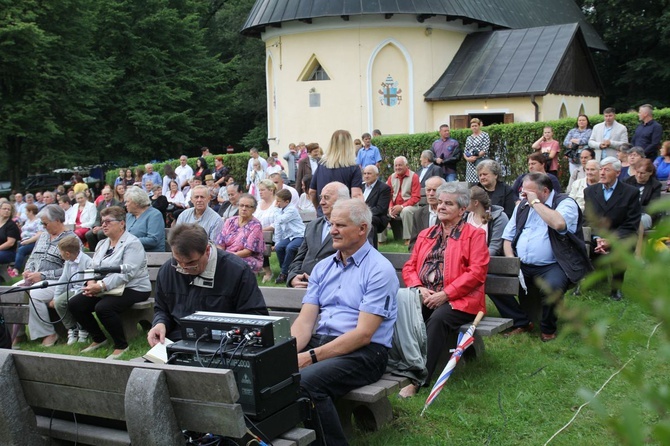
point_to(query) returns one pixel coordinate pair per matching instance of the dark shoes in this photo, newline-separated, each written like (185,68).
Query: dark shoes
(281,278)
(547,337)
(616,295)
(518,330)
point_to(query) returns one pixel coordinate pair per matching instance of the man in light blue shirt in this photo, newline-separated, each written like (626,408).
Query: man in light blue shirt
(545,232)
(201,213)
(351,300)
(155,177)
(369,154)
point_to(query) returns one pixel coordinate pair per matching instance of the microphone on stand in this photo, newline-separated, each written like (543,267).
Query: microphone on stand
(123,269)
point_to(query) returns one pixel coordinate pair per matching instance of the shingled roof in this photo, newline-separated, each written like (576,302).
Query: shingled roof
(521,62)
(507,14)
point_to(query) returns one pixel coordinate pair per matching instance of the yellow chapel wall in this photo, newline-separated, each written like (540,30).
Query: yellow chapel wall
(357,61)
(551,106)
(524,111)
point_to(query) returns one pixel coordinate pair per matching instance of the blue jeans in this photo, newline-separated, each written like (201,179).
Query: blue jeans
(451,177)
(7,256)
(22,255)
(286,250)
(332,378)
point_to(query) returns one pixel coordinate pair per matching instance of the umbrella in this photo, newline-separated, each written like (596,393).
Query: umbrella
(465,340)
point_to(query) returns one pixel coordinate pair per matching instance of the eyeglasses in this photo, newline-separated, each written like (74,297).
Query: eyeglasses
(185,269)
(104,222)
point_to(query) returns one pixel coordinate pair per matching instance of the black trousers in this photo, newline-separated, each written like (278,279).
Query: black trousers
(442,325)
(108,309)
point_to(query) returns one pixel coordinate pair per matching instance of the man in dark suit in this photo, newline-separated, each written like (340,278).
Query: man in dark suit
(318,243)
(94,235)
(614,206)
(307,165)
(428,167)
(427,215)
(377,196)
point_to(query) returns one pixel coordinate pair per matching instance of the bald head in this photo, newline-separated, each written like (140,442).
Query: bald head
(330,193)
(432,184)
(370,174)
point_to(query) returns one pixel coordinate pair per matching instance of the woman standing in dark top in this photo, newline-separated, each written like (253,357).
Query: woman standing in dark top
(337,164)
(500,193)
(9,233)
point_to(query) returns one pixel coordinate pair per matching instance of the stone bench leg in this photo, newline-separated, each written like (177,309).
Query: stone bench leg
(17,420)
(131,317)
(368,416)
(149,415)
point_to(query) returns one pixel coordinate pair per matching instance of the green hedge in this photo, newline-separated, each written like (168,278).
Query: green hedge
(236,163)
(510,143)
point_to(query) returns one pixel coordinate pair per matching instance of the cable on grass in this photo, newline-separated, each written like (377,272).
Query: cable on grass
(602,387)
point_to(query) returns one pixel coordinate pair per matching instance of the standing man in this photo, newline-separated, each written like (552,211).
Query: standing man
(427,215)
(377,196)
(184,172)
(318,243)
(648,133)
(612,205)
(405,196)
(279,184)
(352,324)
(200,277)
(254,155)
(447,153)
(369,154)
(607,136)
(545,232)
(150,175)
(95,234)
(308,165)
(291,158)
(201,213)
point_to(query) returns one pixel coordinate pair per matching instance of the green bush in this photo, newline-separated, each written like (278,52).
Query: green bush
(236,163)
(510,143)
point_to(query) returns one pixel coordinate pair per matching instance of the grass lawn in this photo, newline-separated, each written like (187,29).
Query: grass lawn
(522,391)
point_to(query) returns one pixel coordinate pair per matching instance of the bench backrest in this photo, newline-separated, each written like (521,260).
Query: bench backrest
(501,279)
(202,399)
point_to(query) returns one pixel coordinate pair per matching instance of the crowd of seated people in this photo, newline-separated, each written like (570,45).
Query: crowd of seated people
(455,219)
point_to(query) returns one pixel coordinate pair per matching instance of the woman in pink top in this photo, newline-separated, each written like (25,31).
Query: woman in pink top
(550,148)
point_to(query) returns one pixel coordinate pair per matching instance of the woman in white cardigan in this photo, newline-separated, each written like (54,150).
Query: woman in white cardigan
(85,216)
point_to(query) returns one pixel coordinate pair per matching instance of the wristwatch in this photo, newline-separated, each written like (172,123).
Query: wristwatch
(534,202)
(101,284)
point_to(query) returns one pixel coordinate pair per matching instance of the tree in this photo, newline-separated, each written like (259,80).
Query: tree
(636,69)
(244,59)
(167,91)
(49,82)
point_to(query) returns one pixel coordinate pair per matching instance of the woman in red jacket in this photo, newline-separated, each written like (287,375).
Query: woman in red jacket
(448,266)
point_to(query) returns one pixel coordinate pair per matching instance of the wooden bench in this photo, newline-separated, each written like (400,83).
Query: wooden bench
(98,402)
(369,406)
(502,279)
(15,306)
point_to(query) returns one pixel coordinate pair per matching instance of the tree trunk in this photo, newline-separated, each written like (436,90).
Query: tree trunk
(14,144)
